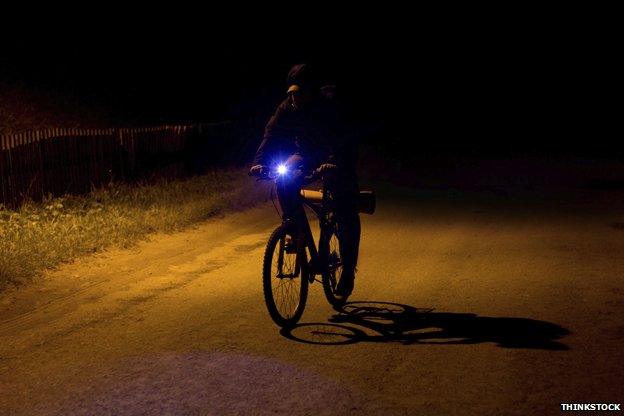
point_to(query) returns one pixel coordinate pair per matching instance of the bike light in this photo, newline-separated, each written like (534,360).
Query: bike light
(282,169)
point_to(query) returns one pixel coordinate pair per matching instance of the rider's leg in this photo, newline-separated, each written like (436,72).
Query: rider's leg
(345,191)
(288,193)
(289,188)
(349,234)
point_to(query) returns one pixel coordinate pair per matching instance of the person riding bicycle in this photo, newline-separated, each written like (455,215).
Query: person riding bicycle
(307,132)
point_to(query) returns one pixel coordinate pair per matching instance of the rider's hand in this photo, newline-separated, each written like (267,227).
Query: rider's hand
(327,167)
(257,170)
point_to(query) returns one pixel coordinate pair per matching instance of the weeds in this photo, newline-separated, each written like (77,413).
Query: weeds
(42,235)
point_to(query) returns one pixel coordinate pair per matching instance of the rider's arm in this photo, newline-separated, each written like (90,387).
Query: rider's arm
(344,153)
(256,170)
(278,136)
(344,147)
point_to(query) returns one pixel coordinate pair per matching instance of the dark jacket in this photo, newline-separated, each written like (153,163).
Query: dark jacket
(317,132)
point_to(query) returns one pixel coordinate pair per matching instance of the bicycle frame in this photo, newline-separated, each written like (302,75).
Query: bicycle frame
(322,212)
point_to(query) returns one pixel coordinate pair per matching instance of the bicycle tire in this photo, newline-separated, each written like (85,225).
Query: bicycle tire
(271,279)
(333,271)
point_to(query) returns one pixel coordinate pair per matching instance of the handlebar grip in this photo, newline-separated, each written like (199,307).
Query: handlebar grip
(316,174)
(262,172)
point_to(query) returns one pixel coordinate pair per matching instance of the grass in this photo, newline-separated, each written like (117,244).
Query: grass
(42,235)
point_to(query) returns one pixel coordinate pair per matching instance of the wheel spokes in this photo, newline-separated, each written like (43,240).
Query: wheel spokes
(335,261)
(285,285)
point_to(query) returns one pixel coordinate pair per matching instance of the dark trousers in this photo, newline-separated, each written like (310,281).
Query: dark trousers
(344,190)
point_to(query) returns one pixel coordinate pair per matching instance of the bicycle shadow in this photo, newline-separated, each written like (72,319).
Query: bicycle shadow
(371,321)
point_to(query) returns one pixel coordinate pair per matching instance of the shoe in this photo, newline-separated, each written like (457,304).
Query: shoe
(345,286)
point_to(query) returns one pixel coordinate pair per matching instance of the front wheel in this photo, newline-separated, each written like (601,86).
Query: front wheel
(333,272)
(284,281)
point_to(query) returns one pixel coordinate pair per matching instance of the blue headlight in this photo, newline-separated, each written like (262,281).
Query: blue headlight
(282,169)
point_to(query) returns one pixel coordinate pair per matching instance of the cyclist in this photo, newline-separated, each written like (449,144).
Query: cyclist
(307,132)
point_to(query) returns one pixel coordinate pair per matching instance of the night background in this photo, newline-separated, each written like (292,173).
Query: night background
(442,82)
(137,256)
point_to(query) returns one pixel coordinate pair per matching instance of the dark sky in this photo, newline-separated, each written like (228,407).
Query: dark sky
(460,80)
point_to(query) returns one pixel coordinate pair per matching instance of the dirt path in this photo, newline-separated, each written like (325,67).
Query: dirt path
(479,308)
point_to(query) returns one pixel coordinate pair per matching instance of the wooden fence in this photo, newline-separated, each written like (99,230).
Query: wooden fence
(37,163)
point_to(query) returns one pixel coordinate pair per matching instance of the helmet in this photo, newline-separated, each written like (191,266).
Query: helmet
(302,76)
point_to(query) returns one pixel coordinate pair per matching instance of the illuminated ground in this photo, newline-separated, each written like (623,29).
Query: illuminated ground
(471,304)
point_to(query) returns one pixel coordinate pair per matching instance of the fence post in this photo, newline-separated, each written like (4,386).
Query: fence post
(38,137)
(56,160)
(2,168)
(10,177)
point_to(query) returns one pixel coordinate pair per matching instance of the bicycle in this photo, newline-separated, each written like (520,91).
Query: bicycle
(287,271)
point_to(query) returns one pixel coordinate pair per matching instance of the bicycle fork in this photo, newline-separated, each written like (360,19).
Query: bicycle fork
(304,240)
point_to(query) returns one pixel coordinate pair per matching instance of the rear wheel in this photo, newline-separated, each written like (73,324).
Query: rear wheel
(333,273)
(284,281)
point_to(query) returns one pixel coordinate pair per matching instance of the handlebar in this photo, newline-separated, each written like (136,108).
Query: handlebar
(316,174)
(270,174)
